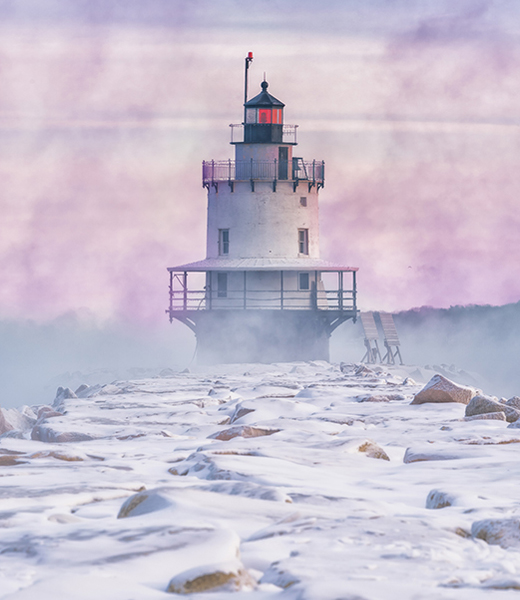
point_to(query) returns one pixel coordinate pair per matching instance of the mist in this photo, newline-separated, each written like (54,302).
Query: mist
(483,340)
(76,348)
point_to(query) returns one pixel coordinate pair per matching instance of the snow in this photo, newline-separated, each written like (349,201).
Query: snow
(272,473)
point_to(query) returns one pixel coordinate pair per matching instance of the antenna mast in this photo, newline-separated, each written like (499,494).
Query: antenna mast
(249,59)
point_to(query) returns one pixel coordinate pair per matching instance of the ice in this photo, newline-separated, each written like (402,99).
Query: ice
(300,481)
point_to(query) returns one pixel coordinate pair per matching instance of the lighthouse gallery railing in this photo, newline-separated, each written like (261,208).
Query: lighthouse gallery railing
(184,298)
(312,171)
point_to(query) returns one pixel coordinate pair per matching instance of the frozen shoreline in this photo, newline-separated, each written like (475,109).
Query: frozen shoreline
(273,461)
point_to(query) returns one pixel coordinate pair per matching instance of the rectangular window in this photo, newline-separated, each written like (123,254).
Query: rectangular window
(250,115)
(303,241)
(222,285)
(277,116)
(304,281)
(303,201)
(223,241)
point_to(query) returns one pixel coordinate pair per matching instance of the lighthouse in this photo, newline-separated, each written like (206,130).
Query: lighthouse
(263,293)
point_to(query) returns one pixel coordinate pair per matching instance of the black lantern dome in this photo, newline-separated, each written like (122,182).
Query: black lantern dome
(263,118)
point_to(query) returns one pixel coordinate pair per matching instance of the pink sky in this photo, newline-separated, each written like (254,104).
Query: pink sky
(108,108)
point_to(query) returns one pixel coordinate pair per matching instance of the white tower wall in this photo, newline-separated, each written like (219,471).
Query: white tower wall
(263,223)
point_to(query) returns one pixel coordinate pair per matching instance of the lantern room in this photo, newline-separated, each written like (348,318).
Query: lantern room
(263,119)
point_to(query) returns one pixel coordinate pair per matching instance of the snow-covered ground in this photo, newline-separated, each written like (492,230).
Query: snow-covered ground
(289,480)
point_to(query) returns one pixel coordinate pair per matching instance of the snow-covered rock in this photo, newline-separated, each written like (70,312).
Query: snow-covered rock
(142,503)
(487,416)
(47,434)
(229,576)
(441,389)
(502,532)
(11,420)
(312,514)
(480,405)
(244,431)
(439,499)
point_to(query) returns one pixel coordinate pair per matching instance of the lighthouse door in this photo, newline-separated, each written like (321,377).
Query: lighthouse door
(283,162)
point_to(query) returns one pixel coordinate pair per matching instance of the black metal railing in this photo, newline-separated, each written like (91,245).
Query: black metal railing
(312,171)
(289,134)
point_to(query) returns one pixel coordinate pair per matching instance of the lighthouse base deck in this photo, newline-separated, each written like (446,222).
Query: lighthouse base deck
(263,336)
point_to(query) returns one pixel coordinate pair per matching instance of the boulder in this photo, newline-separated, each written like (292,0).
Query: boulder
(480,405)
(142,503)
(373,398)
(490,416)
(46,412)
(439,499)
(441,389)
(62,394)
(514,402)
(229,576)
(501,532)
(429,452)
(11,419)
(373,450)
(42,433)
(245,431)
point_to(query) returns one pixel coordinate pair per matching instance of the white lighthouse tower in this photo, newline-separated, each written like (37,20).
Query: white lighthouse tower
(262,294)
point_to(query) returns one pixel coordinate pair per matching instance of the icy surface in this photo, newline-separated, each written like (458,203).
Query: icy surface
(304,480)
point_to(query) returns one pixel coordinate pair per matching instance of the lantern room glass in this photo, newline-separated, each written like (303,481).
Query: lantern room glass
(264,116)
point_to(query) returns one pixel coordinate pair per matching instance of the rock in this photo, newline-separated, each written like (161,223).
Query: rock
(46,434)
(514,402)
(46,412)
(441,389)
(427,453)
(372,450)
(364,371)
(490,416)
(57,455)
(9,461)
(245,431)
(373,398)
(61,395)
(228,576)
(64,519)
(501,584)
(82,391)
(439,499)
(501,532)
(168,372)
(11,419)
(142,503)
(480,405)
(240,411)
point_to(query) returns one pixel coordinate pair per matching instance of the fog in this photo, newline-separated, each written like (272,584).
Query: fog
(36,357)
(484,340)
(76,348)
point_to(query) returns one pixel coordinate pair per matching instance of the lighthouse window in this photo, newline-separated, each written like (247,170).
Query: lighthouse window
(222,285)
(223,241)
(277,116)
(303,241)
(250,115)
(264,115)
(303,201)
(304,281)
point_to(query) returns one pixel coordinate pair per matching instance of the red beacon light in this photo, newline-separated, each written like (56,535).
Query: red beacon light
(250,55)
